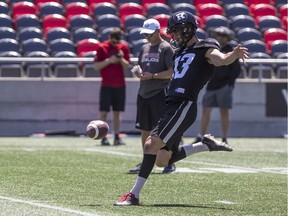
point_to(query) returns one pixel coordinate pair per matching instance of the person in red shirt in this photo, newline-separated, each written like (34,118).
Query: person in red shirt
(112,59)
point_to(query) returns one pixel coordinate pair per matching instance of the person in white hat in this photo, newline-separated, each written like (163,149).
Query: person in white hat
(154,70)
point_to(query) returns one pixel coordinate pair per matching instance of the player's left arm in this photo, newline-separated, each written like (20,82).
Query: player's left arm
(218,58)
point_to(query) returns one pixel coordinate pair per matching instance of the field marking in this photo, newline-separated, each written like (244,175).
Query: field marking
(248,169)
(225,202)
(48,206)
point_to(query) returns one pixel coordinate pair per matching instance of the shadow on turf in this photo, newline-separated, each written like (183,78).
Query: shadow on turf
(187,206)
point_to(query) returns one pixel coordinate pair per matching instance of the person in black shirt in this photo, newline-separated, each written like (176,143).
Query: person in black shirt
(220,88)
(193,66)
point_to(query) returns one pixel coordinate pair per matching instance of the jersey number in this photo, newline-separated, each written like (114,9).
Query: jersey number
(185,61)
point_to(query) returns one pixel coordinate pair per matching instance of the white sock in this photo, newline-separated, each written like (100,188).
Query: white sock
(195,148)
(140,181)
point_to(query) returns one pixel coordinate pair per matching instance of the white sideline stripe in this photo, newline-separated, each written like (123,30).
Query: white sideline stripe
(185,161)
(48,206)
(225,202)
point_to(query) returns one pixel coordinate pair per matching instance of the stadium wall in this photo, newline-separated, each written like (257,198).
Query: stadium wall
(34,106)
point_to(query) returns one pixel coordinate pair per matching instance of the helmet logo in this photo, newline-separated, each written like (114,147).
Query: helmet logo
(181,16)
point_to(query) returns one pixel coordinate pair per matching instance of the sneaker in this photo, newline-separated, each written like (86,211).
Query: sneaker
(136,169)
(118,141)
(127,200)
(169,169)
(215,145)
(105,142)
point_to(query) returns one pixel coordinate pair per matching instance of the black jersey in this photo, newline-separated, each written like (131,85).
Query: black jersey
(191,71)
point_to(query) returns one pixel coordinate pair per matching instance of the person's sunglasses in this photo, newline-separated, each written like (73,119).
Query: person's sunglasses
(148,35)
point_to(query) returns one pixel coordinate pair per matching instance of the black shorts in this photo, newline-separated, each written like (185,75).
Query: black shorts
(149,111)
(112,97)
(174,122)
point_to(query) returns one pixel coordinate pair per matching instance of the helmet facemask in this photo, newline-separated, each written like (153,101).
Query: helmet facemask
(185,30)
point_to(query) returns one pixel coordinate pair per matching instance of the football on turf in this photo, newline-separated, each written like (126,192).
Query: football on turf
(97,129)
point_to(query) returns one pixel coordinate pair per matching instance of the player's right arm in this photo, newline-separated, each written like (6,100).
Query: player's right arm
(218,58)
(102,64)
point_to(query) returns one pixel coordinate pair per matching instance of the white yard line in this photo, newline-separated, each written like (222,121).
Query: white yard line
(72,211)
(249,169)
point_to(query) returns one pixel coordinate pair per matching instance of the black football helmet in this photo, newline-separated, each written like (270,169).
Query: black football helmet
(184,23)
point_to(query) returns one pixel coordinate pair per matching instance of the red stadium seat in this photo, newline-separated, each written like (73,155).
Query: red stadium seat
(283,10)
(146,2)
(76,8)
(260,10)
(284,22)
(52,21)
(273,34)
(39,2)
(87,45)
(128,9)
(197,3)
(20,8)
(205,10)
(162,19)
(91,3)
(254,2)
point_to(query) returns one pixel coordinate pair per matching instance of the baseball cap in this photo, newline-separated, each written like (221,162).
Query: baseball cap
(150,26)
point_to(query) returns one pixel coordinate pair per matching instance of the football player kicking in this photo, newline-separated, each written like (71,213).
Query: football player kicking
(194,63)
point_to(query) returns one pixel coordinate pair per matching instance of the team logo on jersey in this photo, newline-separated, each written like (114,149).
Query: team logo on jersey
(181,16)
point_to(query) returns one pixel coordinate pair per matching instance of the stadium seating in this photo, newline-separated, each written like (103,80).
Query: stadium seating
(184,7)
(259,10)
(56,33)
(260,70)
(284,22)
(156,8)
(10,69)
(171,3)
(76,8)
(104,34)
(266,22)
(88,69)
(278,47)
(12,2)
(283,11)
(201,34)
(242,21)
(53,21)
(8,44)
(6,21)
(40,2)
(29,33)
(274,34)
(248,34)
(129,9)
(119,2)
(87,45)
(37,69)
(84,33)
(137,45)
(228,2)
(48,8)
(236,9)
(133,21)
(162,19)
(281,69)
(147,2)
(197,3)
(65,69)
(66,2)
(104,8)
(7,32)
(255,46)
(279,3)
(24,7)
(27,20)
(134,35)
(107,20)
(61,44)
(33,44)
(4,8)
(80,21)
(255,2)
(92,2)
(215,21)
(205,10)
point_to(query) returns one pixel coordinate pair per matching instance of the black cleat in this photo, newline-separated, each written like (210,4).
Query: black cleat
(215,145)
(169,169)
(105,142)
(118,141)
(128,199)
